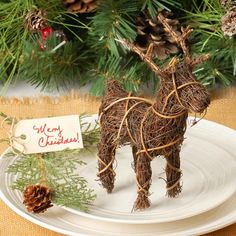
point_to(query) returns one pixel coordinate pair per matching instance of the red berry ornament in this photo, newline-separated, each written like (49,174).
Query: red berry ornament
(45,33)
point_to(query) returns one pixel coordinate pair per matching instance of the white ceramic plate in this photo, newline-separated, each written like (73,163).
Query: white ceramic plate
(65,222)
(208,169)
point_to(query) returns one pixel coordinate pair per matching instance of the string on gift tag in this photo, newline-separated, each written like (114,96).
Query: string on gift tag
(13,139)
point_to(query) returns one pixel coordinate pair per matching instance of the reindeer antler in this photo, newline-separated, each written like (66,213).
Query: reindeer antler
(144,57)
(180,39)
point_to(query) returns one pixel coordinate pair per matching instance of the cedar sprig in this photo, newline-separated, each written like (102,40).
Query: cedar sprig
(57,171)
(69,189)
(90,133)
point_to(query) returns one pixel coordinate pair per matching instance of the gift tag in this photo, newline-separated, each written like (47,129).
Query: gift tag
(47,134)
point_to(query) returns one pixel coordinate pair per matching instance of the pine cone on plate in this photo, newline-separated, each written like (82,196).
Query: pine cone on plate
(80,6)
(228,22)
(153,38)
(35,20)
(37,198)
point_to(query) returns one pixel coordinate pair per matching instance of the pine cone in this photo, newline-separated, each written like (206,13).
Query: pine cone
(37,198)
(228,22)
(80,6)
(228,3)
(153,38)
(36,20)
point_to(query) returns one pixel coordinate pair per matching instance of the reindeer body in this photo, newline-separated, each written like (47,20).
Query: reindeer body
(152,129)
(109,119)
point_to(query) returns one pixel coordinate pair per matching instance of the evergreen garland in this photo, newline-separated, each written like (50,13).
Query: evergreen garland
(92,54)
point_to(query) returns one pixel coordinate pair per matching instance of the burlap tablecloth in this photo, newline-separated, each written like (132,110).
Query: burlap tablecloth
(222,110)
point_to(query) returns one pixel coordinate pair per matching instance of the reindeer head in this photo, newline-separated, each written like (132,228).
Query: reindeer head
(181,84)
(191,94)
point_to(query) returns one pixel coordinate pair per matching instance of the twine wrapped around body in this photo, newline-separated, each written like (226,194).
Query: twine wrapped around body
(152,129)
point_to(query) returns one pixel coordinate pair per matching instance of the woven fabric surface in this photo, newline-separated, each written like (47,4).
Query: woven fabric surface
(222,110)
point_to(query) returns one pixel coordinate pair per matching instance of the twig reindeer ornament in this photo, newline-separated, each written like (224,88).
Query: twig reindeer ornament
(151,128)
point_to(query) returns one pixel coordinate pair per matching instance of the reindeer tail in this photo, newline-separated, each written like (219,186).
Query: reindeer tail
(113,87)
(113,91)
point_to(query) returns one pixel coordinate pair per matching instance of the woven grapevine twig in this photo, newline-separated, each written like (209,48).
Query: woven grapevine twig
(152,128)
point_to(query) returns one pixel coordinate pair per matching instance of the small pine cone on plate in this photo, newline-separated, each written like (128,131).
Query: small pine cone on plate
(37,198)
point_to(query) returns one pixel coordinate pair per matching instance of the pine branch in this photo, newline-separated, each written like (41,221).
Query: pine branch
(208,38)
(114,19)
(13,36)
(89,56)
(27,164)
(74,194)
(206,17)
(153,5)
(108,68)
(215,72)
(53,68)
(130,71)
(69,189)
(90,133)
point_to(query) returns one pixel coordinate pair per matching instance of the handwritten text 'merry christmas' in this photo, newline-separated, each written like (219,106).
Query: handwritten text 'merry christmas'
(50,136)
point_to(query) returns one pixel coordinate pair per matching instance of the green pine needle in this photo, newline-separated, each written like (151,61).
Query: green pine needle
(49,68)
(92,55)
(209,39)
(113,20)
(153,5)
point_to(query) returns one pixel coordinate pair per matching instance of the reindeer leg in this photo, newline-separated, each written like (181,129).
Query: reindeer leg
(143,177)
(106,157)
(173,174)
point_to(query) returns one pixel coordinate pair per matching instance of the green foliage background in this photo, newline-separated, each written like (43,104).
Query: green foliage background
(92,54)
